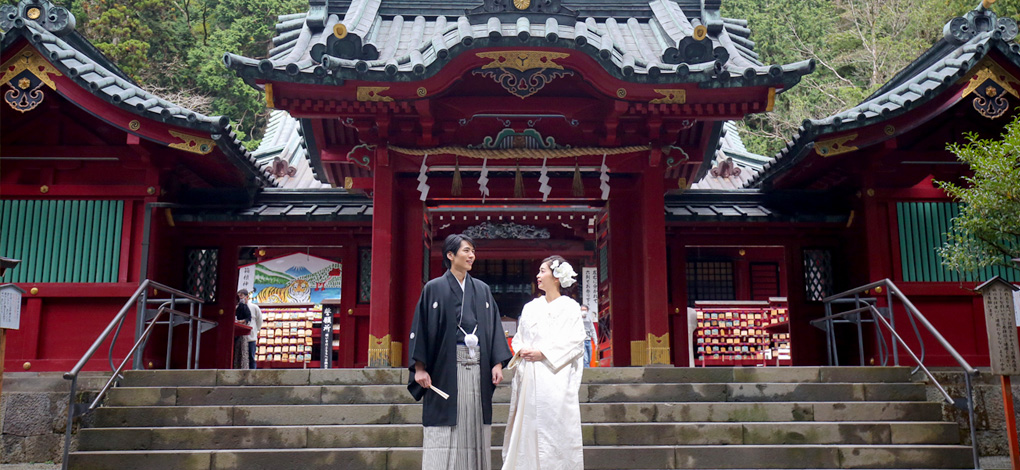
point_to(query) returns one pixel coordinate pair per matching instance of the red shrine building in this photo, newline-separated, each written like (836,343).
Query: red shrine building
(600,131)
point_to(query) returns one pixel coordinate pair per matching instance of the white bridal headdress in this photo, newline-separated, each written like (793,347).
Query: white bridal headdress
(564,272)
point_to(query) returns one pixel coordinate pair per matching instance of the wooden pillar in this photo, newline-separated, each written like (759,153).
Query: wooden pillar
(624,273)
(653,262)
(383,253)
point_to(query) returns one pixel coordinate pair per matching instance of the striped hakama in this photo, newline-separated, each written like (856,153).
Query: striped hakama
(466,446)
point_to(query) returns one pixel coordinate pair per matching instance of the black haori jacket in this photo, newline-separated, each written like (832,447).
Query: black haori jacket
(433,341)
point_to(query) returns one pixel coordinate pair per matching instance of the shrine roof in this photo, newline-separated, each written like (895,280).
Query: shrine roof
(284,153)
(52,33)
(289,205)
(967,41)
(733,166)
(750,205)
(658,41)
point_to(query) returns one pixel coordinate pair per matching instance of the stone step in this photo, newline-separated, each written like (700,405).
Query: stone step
(594,393)
(211,378)
(602,434)
(284,415)
(599,457)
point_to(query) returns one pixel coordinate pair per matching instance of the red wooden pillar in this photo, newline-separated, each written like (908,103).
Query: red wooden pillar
(653,262)
(625,281)
(383,254)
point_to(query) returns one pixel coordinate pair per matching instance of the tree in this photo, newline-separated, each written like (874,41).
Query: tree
(987,231)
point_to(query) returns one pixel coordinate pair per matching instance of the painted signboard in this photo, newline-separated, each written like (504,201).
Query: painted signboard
(297,278)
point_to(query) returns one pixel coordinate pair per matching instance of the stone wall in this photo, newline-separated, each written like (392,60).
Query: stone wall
(33,414)
(989,412)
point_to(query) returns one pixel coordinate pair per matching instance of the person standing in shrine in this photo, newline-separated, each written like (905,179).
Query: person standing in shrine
(457,350)
(256,324)
(543,429)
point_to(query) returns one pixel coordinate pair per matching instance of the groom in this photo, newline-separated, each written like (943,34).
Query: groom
(456,348)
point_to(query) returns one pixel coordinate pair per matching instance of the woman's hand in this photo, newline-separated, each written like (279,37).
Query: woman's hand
(532,355)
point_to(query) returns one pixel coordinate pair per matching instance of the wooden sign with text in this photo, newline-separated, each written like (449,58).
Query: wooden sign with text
(1000,323)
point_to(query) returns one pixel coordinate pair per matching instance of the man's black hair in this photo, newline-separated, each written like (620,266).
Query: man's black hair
(452,245)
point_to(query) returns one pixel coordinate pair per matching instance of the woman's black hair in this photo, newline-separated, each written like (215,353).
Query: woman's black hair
(549,261)
(452,245)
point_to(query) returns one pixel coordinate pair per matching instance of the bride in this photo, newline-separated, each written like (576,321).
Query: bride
(543,429)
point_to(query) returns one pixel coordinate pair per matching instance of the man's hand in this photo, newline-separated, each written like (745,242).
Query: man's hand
(422,376)
(532,355)
(497,374)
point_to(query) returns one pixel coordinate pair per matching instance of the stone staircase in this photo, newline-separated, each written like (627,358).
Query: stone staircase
(633,418)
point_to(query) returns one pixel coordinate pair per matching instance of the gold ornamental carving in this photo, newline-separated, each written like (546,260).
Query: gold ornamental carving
(193,144)
(670,96)
(373,93)
(991,85)
(522,4)
(27,59)
(835,146)
(522,61)
(340,30)
(990,71)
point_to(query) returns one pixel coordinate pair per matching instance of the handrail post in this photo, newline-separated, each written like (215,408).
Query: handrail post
(892,320)
(70,422)
(860,331)
(143,304)
(970,413)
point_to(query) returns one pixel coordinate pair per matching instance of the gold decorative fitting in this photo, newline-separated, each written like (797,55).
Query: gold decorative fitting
(340,30)
(150,364)
(890,129)
(151,190)
(24,83)
(373,93)
(681,183)
(658,349)
(379,351)
(700,32)
(522,4)
(991,91)
(878,289)
(33,291)
(771,103)
(670,96)
(44,189)
(350,311)
(34,13)
(262,252)
(422,92)
(622,93)
(221,311)
(835,146)
(742,252)
(26,366)
(269,96)
(522,61)
(193,144)
(990,85)
(871,193)
(348,182)
(134,125)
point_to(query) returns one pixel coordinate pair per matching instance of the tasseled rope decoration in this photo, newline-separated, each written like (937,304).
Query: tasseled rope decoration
(578,190)
(458,185)
(518,182)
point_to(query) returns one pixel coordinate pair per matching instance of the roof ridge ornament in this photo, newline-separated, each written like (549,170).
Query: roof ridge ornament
(510,10)
(979,20)
(55,19)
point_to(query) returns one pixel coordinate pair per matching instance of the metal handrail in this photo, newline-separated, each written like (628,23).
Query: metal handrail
(913,313)
(139,296)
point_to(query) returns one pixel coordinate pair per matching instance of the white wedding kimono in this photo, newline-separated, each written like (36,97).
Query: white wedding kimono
(543,430)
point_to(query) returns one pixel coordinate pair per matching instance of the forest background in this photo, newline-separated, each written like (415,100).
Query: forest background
(174,48)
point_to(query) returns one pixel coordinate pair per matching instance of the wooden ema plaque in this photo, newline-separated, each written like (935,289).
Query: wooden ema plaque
(1000,322)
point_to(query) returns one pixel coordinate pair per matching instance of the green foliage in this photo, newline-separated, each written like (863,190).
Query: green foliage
(987,231)
(175,49)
